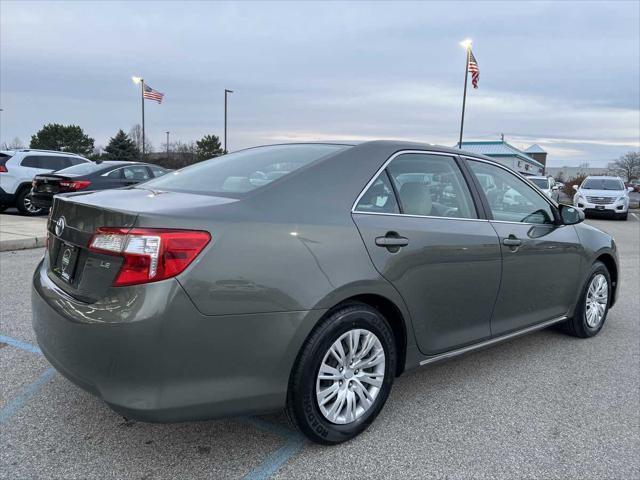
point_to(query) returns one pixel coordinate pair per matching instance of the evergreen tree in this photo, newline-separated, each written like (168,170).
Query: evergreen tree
(121,147)
(208,147)
(63,138)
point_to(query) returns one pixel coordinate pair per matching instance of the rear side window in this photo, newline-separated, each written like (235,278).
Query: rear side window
(243,171)
(138,173)
(46,162)
(379,197)
(431,185)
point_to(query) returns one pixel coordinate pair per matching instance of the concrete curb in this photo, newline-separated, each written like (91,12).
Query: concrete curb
(22,243)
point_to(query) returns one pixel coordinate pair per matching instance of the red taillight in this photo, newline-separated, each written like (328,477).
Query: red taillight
(149,254)
(3,169)
(74,185)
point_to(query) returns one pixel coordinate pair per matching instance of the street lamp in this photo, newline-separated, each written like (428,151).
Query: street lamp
(140,81)
(466,43)
(226,92)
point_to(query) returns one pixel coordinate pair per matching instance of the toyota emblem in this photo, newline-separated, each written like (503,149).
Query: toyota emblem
(60,226)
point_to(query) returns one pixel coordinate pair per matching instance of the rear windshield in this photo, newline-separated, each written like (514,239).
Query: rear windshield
(602,184)
(540,182)
(81,169)
(243,171)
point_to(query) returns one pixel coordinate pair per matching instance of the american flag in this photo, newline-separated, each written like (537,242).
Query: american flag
(474,70)
(151,94)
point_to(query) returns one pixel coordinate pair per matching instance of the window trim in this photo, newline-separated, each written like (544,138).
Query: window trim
(485,201)
(479,207)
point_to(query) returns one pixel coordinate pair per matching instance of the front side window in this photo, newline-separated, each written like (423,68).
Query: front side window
(510,198)
(431,185)
(379,197)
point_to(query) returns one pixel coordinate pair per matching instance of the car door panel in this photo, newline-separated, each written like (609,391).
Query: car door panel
(539,276)
(541,258)
(448,275)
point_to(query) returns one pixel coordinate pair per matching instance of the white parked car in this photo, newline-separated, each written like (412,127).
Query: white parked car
(547,185)
(17,169)
(603,195)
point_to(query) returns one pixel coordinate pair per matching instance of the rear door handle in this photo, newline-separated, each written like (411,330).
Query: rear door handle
(512,241)
(390,241)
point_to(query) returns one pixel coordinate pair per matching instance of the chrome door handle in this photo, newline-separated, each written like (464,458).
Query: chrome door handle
(512,241)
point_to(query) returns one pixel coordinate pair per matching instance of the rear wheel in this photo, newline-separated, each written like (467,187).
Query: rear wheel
(343,375)
(591,311)
(24,204)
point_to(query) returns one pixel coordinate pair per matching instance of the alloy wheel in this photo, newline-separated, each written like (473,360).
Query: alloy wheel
(597,300)
(350,376)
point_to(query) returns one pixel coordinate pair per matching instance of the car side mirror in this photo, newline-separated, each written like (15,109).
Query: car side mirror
(575,187)
(571,215)
(555,187)
(630,189)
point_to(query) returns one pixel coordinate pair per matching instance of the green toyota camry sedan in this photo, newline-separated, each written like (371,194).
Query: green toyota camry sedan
(307,277)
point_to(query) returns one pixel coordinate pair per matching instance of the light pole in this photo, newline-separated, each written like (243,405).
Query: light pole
(467,46)
(139,80)
(167,143)
(226,92)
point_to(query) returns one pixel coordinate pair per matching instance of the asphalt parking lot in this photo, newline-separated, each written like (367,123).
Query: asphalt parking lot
(543,406)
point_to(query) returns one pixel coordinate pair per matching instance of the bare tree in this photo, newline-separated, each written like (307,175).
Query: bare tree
(136,135)
(15,144)
(627,166)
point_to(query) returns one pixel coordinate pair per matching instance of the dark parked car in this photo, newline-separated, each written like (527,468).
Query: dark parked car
(307,276)
(90,176)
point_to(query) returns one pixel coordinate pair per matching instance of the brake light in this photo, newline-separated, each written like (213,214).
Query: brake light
(3,169)
(75,184)
(149,254)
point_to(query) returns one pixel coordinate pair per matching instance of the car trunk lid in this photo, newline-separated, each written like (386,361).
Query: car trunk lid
(76,217)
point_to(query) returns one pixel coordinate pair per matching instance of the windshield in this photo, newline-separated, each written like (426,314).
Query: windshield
(602,184)
(80,169)
(243,171)
(540,182)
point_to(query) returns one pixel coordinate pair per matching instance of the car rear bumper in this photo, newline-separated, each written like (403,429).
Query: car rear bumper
(42,200)
(152,356)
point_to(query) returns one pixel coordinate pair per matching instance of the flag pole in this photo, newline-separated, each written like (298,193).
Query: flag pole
(467,44)
(142,98)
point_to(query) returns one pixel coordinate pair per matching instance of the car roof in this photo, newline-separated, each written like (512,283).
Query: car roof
(400,144)
(603,177)
(538,176)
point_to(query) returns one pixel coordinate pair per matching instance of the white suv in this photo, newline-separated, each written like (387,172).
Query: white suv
(603,195)
(547,185)
(17,169)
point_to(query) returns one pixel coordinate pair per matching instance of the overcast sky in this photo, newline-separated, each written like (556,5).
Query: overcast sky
(565,75)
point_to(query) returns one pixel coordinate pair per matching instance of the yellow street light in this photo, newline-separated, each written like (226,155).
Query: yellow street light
(466,43)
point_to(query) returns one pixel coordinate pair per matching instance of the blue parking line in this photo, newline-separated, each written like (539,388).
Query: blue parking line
(11,408)
(271,464)
(19,344)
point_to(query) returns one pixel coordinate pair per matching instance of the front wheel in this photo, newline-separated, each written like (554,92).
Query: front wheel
(593,306)
(343,375)
(622,216)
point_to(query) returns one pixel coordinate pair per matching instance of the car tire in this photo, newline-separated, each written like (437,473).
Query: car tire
(304,410)
(589,318)
(24,205)
(622,216)
(3,208)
